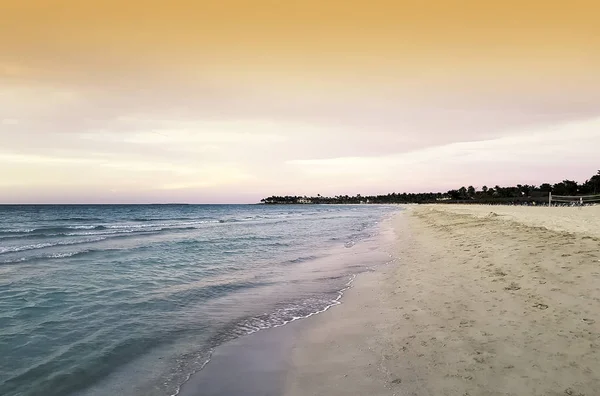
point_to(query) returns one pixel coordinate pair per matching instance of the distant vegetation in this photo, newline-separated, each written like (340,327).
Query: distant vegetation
(521,193)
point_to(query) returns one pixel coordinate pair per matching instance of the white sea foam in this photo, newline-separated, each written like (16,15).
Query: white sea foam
(269,324)
(158,225)
(14,249)
(67,254)
(18,230)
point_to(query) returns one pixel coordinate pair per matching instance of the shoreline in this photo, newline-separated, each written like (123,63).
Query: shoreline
(477,305)
(200,380)
(480,302)
(260,360)
(340,353)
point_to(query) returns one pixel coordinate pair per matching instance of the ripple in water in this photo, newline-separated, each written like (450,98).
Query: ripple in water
(131,300)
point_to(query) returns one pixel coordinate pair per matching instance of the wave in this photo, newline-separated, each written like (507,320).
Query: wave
(82,227)
(279,218)
(45,230)
(68,228)
(70,234)
(17,231)
(146,223)
(68,254)
(54,256)
(278,318)
(134,231)
(97,230)
(230,220)
(145,219)
(129,231)
(171,225)
(78,219)
(301,259)
(282,316)
(14,249)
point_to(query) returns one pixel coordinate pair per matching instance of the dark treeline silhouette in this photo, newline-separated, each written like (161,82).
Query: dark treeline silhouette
(519,194)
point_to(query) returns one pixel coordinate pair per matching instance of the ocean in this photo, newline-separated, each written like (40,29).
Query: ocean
(133,299)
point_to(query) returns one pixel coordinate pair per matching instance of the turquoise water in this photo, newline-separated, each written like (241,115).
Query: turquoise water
(131,300)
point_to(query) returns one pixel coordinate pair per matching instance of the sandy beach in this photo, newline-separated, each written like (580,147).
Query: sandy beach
(482,300)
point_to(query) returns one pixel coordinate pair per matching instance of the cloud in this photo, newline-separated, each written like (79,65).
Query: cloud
(42,160)
(177,132)
(213,138)
(570,149)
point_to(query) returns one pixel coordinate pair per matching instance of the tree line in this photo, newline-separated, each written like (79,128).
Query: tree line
(521,193)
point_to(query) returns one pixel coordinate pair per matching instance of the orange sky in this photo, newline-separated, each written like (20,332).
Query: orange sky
(322,39)
(358,80)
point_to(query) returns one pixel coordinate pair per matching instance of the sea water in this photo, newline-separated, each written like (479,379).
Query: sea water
(132,299)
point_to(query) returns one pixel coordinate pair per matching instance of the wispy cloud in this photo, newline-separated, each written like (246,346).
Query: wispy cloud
(522,156)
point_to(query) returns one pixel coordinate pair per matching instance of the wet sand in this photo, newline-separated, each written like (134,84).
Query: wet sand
(252,365)
(479,301)
(263,363)
(477,305)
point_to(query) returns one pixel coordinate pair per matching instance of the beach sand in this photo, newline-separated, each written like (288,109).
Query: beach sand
(483,300)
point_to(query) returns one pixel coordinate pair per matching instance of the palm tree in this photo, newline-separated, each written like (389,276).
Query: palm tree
(520,189)
(595,183)
(471,191)
(498,190)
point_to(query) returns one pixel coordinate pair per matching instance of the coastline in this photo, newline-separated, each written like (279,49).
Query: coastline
(181,283)
(259,362)
(476,301)
(477,305)
(262,363)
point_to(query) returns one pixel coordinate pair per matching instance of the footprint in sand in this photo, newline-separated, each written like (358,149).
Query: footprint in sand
(513,286)
(466,323)
(571,392)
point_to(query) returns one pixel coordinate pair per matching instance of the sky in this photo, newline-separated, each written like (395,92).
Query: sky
(230,101)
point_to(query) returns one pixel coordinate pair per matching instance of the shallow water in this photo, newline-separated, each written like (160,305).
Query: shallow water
(131,300)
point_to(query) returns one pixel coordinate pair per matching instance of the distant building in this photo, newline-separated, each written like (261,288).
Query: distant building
(304,201)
